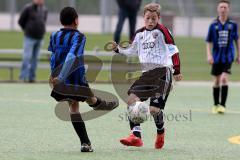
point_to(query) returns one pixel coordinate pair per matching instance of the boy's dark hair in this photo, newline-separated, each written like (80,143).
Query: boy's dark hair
(68,15)
(224,1)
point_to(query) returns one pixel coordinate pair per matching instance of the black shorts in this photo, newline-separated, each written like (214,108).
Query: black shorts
(154,84)
(64,92)
(219,68)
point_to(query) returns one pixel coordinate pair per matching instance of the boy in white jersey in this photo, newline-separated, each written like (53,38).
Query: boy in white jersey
(159,58)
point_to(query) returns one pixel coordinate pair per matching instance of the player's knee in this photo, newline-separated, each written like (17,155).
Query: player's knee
(216,82)
(74,110)
(154,110)
(73,106)
(132,99)
(224,81)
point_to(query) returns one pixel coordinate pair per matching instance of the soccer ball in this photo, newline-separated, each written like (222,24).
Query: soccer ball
(138,112)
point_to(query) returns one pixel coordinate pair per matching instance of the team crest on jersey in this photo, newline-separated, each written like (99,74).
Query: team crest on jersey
(216,27)
(141,37)
(155,35)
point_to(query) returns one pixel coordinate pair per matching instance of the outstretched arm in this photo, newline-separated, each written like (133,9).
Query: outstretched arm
(132,49)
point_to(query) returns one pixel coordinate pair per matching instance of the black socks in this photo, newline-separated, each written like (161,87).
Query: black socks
(159,122)
(79,127)
(224,93)
(136,129)
(216,92)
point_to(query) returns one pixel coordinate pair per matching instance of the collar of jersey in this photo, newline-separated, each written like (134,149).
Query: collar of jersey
(220,21)
(153,28)
(68,29)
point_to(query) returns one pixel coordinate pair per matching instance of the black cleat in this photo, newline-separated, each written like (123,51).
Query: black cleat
(86,148)
(107,105)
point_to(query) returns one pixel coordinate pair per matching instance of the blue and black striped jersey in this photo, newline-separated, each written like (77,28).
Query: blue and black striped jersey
(222,36)
(67,47)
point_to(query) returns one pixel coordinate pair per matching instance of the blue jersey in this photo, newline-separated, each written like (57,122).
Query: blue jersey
(67,47)
(223,36)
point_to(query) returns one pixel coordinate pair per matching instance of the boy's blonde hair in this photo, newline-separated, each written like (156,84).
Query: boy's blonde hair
(152,7)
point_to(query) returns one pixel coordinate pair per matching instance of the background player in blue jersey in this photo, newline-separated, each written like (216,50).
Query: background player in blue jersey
(67,69)
(222,34)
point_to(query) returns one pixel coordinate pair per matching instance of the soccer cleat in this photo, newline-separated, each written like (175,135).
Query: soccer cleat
(132,140)
(214,109)
(159,142)
(106,105)
(221,109)
(86,148)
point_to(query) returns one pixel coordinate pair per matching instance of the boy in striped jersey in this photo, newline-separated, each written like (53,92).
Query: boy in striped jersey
(159,59)
(67,69)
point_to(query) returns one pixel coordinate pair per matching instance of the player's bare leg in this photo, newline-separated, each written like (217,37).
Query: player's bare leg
(132,98)
(217,81)
(224,79)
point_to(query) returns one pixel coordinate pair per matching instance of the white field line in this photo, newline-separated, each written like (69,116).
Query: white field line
(202,83)
(181,83)
(25,100)
(199,110)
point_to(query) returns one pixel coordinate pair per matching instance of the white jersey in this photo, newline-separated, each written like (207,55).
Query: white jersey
(154,48)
